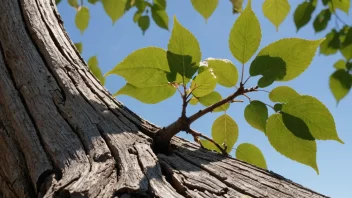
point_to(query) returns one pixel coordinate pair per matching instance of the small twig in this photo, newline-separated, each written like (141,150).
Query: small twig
(247,80)
(196,134)
(269,106)
(241,84)
(263,90)
(247,97)
(179,91)
(236,101)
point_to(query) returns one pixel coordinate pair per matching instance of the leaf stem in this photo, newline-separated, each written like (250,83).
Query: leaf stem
(241,84)
(196,134)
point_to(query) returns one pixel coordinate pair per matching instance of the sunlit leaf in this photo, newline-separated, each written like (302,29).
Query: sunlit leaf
(331,44)
(79,47)
(343,5)
(251,154)
(340,84)
(193,101)
(321,20)
(114,8)
(276,11)
(209,145)
(211,99)
(303,13)
(225,131)
(148,94)
(73,3)
(93,1)
(283,60)
(315,115)
(340,64)
(224,70)
(144,67)
(143,23)
(203,84)
(290,137)
(346,45)
(245,35)
(256,114)
(160,3)
(282,94)
(82,18)
(205,8)
(160,17)
(183,52)
(93,66)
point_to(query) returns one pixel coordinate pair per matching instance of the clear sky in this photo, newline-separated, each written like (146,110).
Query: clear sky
(112,44)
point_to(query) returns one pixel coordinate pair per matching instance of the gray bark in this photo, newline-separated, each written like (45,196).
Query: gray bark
(62,134)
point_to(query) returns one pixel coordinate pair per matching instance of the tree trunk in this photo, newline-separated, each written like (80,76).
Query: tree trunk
(63,135)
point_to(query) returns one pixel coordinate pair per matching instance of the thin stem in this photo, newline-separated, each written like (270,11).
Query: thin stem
(247,97)
(247,80)
(230,98)
(196,134)
(269,106)
(241,84)
(263,90)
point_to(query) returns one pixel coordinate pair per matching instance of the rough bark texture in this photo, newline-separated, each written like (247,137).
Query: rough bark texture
(62,134)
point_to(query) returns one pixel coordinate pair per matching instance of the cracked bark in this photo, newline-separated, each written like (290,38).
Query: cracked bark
(62,134)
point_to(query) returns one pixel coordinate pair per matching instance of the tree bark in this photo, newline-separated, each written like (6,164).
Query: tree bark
(63,135)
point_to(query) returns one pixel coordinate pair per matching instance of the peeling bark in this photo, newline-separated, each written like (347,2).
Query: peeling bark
(62,134)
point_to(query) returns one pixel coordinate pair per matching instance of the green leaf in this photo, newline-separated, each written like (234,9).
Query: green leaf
(92,1)
(340,64)
(315,115)
(148,94)
(340,84)
(209,145)
(82,18)
(236,6)
(245,35)
(143,23)
(93,66)
(136,16)
(276,11)
(144,67)
(203,84)
(343,5)
(211,99)
(283,60)
(160,17)
(291,138)
(57,2)
(331,44)
(251,154)
(73,3)
(225,131)
(282,94)
(193,101)
(277,107)
(114,8)
(303,13)
(79,47)
(160,3)
(183,52)
(205,9)
(256,114)
(346,45)
(225,71)
(325,2)
(321,20)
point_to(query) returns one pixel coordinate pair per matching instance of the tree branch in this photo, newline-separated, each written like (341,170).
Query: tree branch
(196,134)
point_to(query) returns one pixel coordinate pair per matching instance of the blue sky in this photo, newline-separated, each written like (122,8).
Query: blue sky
(112,43)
